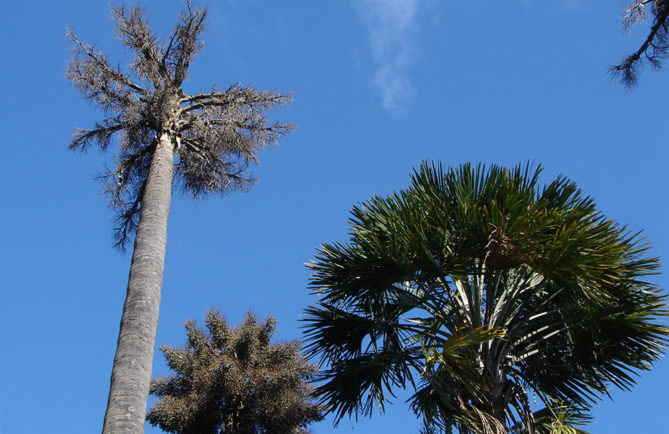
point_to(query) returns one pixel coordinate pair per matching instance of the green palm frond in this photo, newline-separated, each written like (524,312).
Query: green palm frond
(560,418)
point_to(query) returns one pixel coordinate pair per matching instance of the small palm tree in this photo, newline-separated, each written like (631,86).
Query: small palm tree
(485,293)
(201,142)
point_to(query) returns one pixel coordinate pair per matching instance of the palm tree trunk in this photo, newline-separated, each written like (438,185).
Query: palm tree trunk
(499,405)
(131,374)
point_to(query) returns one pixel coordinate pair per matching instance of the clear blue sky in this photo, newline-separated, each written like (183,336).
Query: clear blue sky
(377,89)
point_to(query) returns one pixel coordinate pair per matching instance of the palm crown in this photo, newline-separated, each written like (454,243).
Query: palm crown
(216,134)
(481,290)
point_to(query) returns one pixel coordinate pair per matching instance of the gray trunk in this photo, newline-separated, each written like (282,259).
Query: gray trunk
(131,374)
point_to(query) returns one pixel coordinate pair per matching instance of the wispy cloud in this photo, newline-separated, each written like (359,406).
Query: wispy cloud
(391,24)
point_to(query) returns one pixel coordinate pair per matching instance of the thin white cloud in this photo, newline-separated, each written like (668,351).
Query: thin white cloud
(391,24)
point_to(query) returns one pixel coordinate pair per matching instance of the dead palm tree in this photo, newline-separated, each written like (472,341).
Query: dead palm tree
(484,292)
(202,142)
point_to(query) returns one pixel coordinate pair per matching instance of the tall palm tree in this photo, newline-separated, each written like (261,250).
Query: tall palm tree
(201,142)
(485,293)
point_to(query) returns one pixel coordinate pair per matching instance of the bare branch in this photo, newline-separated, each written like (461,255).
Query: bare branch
(101,135)
(125,186)
(192,23)
(635,14)
(134,32)
(235,95)
(167,51)
(91,72)
(203,171)
(655,47)
(126,223)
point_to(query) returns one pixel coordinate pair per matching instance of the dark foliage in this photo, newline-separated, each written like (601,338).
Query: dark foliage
(233,380)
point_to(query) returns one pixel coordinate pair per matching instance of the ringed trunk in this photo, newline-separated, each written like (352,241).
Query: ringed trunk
(131,373)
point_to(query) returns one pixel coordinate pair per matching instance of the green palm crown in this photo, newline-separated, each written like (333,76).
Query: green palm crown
(505,306)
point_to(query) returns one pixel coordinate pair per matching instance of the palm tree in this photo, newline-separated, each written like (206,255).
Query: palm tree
(484,293)
(234,380)
(201,142)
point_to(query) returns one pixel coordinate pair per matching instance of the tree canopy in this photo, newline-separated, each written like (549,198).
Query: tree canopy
(485,293)
(234,380)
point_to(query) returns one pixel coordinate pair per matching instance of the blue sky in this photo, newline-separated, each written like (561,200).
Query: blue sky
(379,86)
